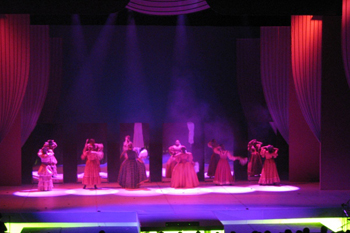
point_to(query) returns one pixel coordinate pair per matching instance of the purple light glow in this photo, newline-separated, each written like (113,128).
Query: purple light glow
(156,191)
(274,188)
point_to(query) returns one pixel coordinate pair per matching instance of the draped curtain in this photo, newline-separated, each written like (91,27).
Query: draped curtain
(14,67)
(38,80)
(167,7)
(275,72)
(346,38)
(306,35)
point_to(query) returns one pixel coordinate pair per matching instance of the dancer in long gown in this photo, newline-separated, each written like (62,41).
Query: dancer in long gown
(45,172)
(269,174)
(174,150)
(255,163)
(184,175)
(93,153)
(51,144)
(214,159)
(132,172)
(223,173)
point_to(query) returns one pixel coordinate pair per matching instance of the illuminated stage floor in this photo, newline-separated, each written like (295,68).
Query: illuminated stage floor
(243,207)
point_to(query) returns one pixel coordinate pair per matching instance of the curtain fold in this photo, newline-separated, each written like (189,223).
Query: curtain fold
(306,36)
(346,38)
(14,67)
(38,79)
(167,7)
(275,72)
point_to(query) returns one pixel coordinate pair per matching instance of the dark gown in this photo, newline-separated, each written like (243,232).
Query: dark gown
(254,164)
(132,172)
(214,159)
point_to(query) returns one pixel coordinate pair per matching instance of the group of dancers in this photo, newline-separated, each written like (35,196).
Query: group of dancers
(180,166)
(265,172)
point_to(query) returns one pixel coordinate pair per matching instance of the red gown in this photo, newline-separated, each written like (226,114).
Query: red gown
(184,175)
(92,166)
(269,174)
(223,173)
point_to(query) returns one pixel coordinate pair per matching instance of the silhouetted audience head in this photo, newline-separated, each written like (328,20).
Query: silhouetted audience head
(288,231)
(306,230)
(298,231)
(324,229)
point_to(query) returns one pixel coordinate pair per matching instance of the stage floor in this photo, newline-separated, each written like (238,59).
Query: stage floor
(243,207)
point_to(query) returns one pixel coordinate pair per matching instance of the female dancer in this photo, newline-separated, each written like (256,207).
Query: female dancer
(255,163)
(184,175)
(174,150)
(45,172)
(269,174)
(132,172)
(214,159)
(93,153)
(223,171)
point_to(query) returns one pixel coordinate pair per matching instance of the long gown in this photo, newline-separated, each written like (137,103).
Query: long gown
(132,172)
(92,166)
(254,164)
(269,174)
(214,159)
(184,175)
(223,170)
(45,172)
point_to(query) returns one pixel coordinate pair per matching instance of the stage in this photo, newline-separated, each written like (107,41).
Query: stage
(243,207)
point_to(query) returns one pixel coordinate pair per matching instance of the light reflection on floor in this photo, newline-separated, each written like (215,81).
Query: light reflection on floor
(149,191)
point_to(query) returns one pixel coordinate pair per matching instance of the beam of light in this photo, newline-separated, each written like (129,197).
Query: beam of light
(274,188)
(233,189)
(37,193)
(180,191)
(92,192)
(139,192)
(145,191)
(135,87)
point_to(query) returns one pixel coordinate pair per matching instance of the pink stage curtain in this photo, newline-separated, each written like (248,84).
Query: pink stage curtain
(14,67)
(38,80)
(306,35)
(167,7)
(346,38)
(275,72)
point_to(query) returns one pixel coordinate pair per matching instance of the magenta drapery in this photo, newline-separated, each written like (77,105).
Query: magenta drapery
(167,7)
(306,35)
(14,67)
(346,38)
(38,79)
(275,72)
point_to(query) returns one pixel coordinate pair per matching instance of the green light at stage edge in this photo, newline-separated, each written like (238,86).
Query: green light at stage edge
(334,224)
